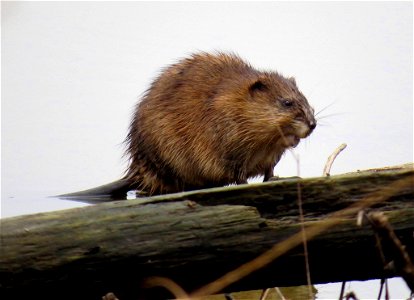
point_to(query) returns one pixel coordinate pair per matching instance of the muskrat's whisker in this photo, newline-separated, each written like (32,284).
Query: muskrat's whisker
(325,108)
(330,115)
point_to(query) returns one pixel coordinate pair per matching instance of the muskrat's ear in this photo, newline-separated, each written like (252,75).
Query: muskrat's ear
(293,80)
(257,85)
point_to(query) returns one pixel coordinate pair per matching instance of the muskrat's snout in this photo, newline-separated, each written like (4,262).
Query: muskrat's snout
(305,124)
(312,125)
(309,120)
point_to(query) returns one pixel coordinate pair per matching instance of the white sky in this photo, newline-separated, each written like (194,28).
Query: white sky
(72,72)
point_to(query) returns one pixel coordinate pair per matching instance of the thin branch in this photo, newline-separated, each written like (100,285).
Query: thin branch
(302,225)
(279,292)
(264,294)
(166,283)
(381,288)
(331,158)
(341,295)
(398,254)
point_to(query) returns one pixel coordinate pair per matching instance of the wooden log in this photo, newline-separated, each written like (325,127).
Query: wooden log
(195,237)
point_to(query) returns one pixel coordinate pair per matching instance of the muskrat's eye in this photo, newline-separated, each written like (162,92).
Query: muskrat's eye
(287,102)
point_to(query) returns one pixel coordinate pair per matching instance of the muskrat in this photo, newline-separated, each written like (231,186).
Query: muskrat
(210,120)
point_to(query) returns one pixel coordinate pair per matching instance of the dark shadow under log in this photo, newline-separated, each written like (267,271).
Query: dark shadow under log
(196,237)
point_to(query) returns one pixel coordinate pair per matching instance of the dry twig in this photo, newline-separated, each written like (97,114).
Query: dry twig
(279,293)
(341,295)
(168,284)
(331,158)
(264,294)
(396,251)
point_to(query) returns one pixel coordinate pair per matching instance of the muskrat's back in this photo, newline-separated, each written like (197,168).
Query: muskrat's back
(212,120)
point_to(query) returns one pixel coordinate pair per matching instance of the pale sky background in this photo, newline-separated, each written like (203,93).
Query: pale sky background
(72,72)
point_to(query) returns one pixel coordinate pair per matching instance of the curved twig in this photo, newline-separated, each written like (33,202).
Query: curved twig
(331,158)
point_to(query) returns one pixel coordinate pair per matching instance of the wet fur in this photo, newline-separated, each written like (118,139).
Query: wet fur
(211,120)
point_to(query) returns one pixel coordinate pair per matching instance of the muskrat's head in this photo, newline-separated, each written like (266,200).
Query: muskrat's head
(282,111)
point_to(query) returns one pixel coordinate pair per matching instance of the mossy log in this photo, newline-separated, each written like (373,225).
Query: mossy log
(196,237)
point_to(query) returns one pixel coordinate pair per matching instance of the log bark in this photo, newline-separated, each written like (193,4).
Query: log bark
(196,237)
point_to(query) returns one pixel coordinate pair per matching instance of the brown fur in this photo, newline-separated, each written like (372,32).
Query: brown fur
(211,120)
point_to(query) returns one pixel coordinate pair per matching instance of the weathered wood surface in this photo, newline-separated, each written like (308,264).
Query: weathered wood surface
(195,237)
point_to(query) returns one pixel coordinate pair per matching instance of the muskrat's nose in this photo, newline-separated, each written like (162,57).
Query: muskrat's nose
(312,125)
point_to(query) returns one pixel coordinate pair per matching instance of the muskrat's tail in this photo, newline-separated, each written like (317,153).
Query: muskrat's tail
(116,190)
